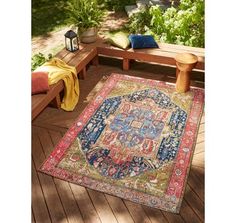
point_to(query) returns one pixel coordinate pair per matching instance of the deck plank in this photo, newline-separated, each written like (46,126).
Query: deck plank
(102,207)
(198,159)
(70,206)
(64,191)
(52,198)
(201,137)
(46,141)
(51,127)
(196,185)
(199,148)
(194,201)
(38,202)
(201,128)
(137,212)
(173,218)
(119,209)
(155,215)
(88,215)
(199,173)
(187,213)
(88,211)
(57,119)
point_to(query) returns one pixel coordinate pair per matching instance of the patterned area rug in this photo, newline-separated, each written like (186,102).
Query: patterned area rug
(134,140)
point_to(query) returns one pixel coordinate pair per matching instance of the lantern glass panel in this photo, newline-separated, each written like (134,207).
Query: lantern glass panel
(75,43)
(68,44)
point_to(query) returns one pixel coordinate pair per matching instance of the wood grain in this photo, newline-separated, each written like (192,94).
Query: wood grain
(102,207)
(40,101)
(67,198)
(49,190)
(39,205)
(137,212)
(119,209)
(85,204)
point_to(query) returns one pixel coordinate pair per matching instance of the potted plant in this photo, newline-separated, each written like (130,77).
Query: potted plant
(87,17)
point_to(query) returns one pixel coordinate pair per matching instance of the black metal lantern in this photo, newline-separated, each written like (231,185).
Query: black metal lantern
(71,41)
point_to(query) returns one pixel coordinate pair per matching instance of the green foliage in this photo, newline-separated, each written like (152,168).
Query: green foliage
(47,16)
(38,60)
(139,22)
(116,5)
(184,25)
(84,13)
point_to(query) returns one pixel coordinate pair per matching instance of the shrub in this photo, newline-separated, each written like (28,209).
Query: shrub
(38,60)
(139,22)
(183,25)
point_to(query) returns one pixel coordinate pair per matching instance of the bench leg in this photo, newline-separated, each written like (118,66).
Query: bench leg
(82,73)
(177,72)
(95,61)
(56,102)
(126,64)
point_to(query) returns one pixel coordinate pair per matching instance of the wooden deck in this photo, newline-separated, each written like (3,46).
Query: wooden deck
(54,200)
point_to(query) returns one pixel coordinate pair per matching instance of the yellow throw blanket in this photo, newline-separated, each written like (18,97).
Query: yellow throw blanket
(59,70)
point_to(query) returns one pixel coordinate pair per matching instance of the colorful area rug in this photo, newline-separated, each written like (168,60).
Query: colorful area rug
(134,140)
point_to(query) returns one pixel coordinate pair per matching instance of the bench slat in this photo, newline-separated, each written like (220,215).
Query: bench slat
(62,54)
(180,48)
(84,57)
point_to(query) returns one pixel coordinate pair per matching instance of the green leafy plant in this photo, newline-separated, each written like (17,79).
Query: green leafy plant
(39,59)
(139,22)
(184,25)
(84,14)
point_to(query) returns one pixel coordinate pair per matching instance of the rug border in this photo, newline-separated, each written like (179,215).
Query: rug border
(190,162)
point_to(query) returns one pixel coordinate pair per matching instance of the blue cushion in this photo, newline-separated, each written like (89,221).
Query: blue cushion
(142,41)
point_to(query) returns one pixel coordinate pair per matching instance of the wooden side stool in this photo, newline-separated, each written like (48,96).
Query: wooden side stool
(185,62)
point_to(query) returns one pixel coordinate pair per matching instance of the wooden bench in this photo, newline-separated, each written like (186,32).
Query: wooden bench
(41,101)
(79,60)
(165,55)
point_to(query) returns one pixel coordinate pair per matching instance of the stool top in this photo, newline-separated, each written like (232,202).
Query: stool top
(186,58)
